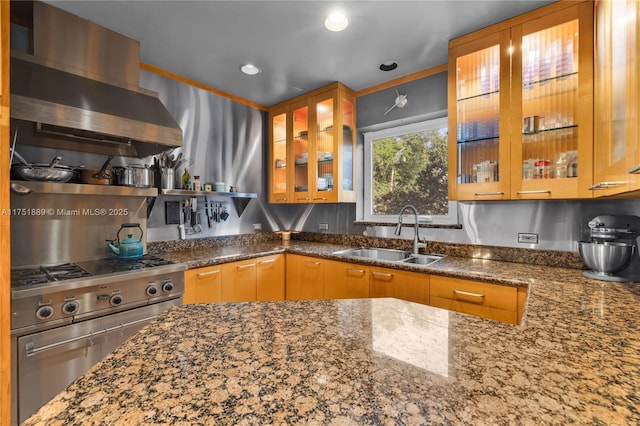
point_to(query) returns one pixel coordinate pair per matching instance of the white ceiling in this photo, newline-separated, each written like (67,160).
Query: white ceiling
(207,41)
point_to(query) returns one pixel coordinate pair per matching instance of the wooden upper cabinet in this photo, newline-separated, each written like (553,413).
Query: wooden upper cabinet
(552,106)
(617,94)
(311,147)
(521,107)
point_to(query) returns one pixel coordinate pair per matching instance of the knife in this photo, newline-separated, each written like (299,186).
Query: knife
(208,207)
(194,208)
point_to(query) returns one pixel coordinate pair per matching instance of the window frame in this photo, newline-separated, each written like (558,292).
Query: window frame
(436,123)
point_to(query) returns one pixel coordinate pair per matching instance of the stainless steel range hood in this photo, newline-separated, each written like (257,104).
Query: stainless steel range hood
(79,91)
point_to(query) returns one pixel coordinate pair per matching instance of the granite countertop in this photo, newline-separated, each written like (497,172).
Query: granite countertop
(574,359)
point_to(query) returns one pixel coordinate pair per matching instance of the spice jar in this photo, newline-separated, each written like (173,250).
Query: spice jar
(541,169)
(196,183)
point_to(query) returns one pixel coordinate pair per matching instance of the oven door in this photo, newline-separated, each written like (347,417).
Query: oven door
(50,360)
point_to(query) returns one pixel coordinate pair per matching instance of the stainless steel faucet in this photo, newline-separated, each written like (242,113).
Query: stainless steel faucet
(416,238)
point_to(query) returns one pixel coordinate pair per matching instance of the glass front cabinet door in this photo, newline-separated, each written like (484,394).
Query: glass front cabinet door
(617,98)
(278,155)
(478,90)
(552,111)
(319,145)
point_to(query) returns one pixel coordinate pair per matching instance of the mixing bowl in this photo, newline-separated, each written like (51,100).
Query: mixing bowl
(605,257)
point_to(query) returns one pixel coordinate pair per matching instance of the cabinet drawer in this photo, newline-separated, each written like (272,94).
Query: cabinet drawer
(481,299)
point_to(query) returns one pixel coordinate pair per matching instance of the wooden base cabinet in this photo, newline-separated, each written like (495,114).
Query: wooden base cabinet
(259,279)
(305,277)
(202,285)
(404,285)
(270,273)
(239,281)
(346,280)
(485,300)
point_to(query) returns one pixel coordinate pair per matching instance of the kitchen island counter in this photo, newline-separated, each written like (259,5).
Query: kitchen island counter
(574,359)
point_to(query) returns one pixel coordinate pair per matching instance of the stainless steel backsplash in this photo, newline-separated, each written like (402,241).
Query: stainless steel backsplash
(227,142)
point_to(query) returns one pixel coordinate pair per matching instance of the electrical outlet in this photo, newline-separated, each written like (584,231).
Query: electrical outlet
(323,226)
(257,226)
(527,238)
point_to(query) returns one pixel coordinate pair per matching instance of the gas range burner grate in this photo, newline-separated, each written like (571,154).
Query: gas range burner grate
(119,265)
(46,274)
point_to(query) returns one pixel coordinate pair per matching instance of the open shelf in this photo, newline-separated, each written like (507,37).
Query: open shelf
(82,189)
(240,199)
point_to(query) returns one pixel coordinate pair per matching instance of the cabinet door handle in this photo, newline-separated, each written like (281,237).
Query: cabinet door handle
(206,274)
(264,262)
(281,199)
(356,271)
(320,199)
(469,294)
(250,265)
(482,194)
(311,262)
(605,185)
(635,170)
(535,191)
(382,275)
(302,199)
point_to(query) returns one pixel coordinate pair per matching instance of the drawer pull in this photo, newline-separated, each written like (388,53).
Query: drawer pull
(320,199)
(605,185)
(635,170)
(264,262)
(206,274)
(382,275)
(281,199)
(483,194)
(468,294)
(535,191)
(250,265)
(310,262)
(302,199)
(355,271)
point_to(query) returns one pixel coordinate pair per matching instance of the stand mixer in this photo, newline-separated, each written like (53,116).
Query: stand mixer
(610,250)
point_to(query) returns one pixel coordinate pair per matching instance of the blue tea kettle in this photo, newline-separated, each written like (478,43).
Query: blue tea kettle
(130,248)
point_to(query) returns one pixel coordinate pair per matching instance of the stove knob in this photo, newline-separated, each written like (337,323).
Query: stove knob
(70,307)
(115,300)
(44,312)
(167,287)
(152,290)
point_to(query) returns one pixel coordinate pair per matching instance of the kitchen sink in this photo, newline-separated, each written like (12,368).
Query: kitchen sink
(423,259)
(390,255)
(375,253)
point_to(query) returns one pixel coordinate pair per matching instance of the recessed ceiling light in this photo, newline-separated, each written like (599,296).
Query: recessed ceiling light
(388,66)
(336,21)
(249,69)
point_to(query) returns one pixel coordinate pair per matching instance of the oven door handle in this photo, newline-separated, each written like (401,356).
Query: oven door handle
(31,350)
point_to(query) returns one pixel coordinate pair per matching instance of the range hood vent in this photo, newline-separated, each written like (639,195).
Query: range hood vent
(89,104)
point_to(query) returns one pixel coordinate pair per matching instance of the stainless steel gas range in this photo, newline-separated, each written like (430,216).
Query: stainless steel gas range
(67,317)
